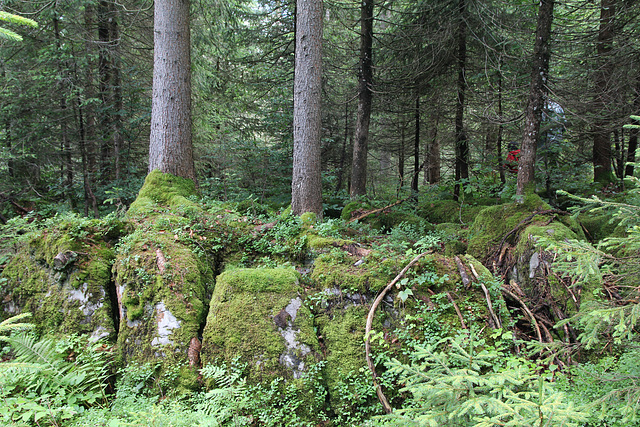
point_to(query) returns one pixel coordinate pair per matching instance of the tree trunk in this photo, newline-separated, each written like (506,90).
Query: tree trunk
(170,146)
(343,151)
(503,179)
(602,128)
(365,82)
(116,121)
(462,145)
(433,163)
(537,92)
(306,185)
(416,150)
(104,77)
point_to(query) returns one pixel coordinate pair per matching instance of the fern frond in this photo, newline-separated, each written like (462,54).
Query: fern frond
(29,350)
(11,325)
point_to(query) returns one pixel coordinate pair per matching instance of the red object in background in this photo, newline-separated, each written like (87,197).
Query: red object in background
(512,161)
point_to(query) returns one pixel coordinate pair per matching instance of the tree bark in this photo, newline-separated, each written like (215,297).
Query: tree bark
(365,83)
(306,185)
(462,145)
(537,92)
(416,149)
(602,129)
(170,145)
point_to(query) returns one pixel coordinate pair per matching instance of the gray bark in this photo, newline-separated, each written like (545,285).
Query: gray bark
(170,145)
(306,185)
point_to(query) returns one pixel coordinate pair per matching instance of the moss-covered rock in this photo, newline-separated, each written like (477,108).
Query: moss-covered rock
(63,280)
(257,315)
(162,192)
(443,211)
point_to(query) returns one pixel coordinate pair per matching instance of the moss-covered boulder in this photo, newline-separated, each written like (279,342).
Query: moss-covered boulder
(443,211)
(164,275)
(257,314)
(62,275)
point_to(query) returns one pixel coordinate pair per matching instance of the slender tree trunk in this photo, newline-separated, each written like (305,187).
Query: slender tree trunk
(503,179)
(116,122)
(88,134)
(401,157)
(104,76)
(306,185)
(537,92)
(602,129)
(365,83)
(416,149)
(343,151)
(170,145)
(66,166)
(462,145)
(433,163)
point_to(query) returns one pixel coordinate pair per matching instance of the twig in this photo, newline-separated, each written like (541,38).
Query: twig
(367,343)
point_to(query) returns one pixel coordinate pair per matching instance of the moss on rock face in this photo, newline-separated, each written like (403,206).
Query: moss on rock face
(258,316)
(442,211)
(494,222)
(64,281)
(338,269)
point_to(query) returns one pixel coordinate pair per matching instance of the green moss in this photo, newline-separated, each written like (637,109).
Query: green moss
(337,269)
(598,226)
(308,219)
(350,207)
(163,189)
(442,211)
(246,316)
(494,222)
(72,298)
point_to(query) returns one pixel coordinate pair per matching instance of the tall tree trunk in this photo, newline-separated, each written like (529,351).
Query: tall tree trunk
(116,122)
(416,150)
(170,145)
(462,145)
(503,179)
(602,128)
(401,158)
(343,151)
(365,83)
(537,92)
(306,185)
(104,77)
(66,165)
(88,134)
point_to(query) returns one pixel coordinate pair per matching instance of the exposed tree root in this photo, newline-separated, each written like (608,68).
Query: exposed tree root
(375,211)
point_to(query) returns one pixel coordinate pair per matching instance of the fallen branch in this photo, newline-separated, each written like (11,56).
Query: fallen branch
(453,302)
(496,319)
(463,272)
(534,322)
(375,211)
(367,343)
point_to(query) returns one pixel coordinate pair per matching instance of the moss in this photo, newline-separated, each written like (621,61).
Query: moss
(246,317)
(343,338)
(442,211)
(494,222)
(337,269)
(64,299)
(598,226)
(455,238)
(308,219)
(163,189)
(347,211)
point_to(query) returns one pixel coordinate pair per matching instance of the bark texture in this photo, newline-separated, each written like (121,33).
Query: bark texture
(537,92)
(306,186)
(602,129)
(170,146)
(462,145)
(365,82)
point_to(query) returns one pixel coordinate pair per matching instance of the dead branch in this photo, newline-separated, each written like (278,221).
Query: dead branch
(534,322)
(495,318)
(458,312)
(375,211)
(463,272)
(367,344)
